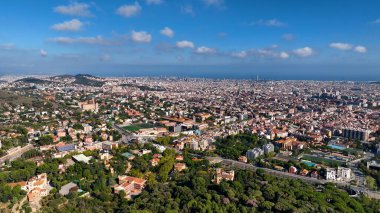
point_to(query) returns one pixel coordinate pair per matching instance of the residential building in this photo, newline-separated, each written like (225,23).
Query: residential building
(179,167)
(70,187)
(82,158)
(293,170)
(330,174)
(243,159)
(343,174)
(254,153)
(268,148)
(358,134)
(221,175)
(131,186)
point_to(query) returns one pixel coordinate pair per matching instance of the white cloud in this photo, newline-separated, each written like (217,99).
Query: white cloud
(270,52)
(43,53)
(264,52)
(304,52)
(377,21)
(284,55)
(74,9)
(341,46)
(222,34)
(81,40)
(241,54)
(288,37)
(185,44)
(188,9)
(205,50)
(156,2)
(72,25)
(346,47)
(214,2)
(142,37)
(129,10)
(167,32)
(105,57)
(7,46)
(360,49)
(269,23)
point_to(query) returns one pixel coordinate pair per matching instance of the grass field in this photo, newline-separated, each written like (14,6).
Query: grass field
(326,161)
(136,127)
(12,98)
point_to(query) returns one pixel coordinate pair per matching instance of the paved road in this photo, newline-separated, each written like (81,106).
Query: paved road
(245,166)
(126,136)
(359,176)
(16,154)
(17,206)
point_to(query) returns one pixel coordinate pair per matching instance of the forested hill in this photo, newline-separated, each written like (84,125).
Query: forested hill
(193,191)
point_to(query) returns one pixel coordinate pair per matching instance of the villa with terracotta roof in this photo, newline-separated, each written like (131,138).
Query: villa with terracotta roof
(221,175)
(291,144)
(179,167)
(36,187)
(132,186)
(155,161)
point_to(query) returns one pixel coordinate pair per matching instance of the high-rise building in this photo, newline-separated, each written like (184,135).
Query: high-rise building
(330,174)
(254,153)
(356,134)
(343,173)
(268,148)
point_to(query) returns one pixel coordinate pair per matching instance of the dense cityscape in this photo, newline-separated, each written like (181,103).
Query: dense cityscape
(126,144)
(189,106)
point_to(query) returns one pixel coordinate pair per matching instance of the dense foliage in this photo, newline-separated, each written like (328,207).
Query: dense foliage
(234,146)
(193,191)
(20,170)
(373,175)
(45,140)
(8,193)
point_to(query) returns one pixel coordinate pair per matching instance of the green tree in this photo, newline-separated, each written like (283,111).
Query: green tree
(45,140)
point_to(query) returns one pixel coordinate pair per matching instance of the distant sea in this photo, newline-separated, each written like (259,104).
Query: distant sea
(275,72)
(319,72)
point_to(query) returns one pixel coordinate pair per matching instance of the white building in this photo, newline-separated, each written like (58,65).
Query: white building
(254,153)
(343,174)
(268,148)
(203,144)
(194,145)
(87,128)
(340,174)
(330,174)
(160,148)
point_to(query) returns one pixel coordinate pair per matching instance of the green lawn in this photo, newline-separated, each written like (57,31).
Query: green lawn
(326,161)
(136,127)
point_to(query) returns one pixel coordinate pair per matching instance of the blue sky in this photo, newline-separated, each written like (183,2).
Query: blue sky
(276,39)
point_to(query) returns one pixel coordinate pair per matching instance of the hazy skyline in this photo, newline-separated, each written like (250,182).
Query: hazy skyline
(322,40)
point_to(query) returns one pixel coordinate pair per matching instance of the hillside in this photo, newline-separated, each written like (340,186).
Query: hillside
(87,80)
(81,79)
(32,80)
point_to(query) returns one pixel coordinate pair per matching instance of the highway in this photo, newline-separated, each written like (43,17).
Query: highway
(245,166)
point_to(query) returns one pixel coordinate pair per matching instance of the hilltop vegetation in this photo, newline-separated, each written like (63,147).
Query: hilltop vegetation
(87,80)
(32,80)
(7,97)
(193,191)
